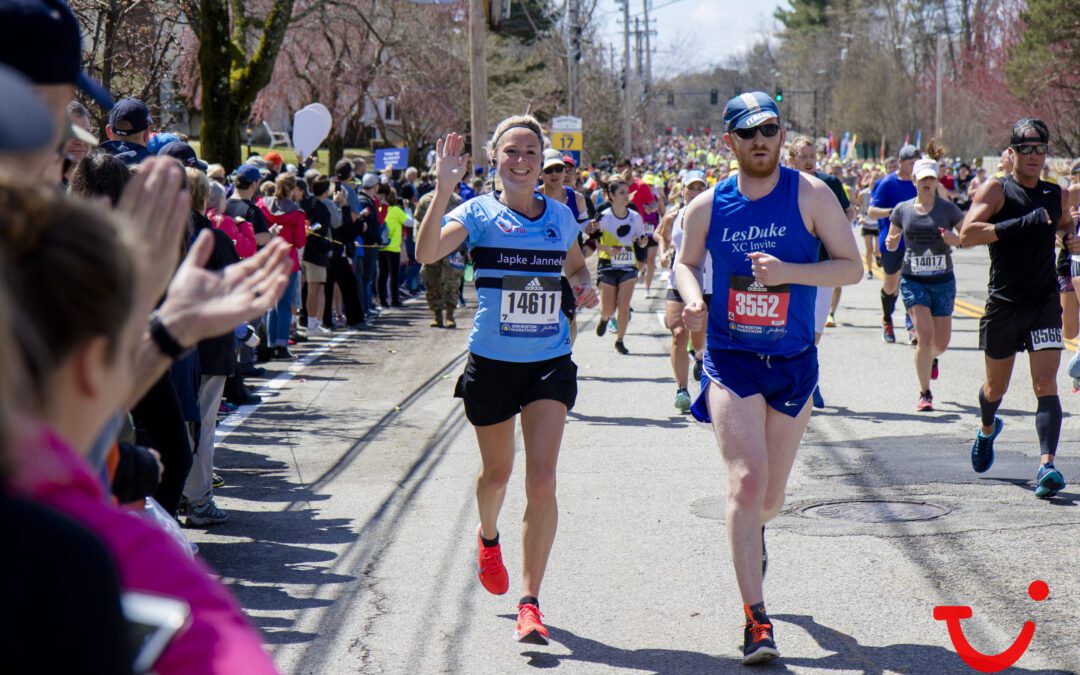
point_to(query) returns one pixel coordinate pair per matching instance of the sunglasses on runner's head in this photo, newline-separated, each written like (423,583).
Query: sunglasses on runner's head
(553,169)
(1038,149)
(767,130)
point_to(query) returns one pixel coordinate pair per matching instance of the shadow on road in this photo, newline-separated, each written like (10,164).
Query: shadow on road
(878,417)
(657,661)
(600,420)
(902,659)
(1061,499)
(847,655)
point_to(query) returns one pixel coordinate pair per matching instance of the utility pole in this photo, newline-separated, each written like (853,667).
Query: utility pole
(628,78)
(637,47)
(573,54)
(648,47)
(648,68)
(939,76)
(478,81)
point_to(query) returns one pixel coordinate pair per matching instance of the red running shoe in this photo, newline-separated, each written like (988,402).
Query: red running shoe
(491,569)
(529,628)
(926,402)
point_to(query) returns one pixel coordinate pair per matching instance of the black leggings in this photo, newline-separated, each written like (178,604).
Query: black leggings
(388,269)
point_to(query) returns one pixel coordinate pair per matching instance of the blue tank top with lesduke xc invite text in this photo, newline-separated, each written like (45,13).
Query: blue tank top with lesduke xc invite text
(519,263)
(744,314)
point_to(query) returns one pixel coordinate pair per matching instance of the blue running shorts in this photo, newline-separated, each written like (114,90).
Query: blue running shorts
(786,382)
(939,297)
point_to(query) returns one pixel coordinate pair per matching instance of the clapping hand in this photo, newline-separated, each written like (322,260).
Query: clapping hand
(154,207)
(201,304)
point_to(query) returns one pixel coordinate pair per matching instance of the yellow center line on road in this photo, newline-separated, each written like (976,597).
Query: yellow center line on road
(964,308)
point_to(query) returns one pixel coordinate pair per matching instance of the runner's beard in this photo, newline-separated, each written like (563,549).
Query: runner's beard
(754,167)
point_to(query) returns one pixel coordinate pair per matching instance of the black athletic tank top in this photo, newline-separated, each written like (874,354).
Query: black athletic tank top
(1022,270)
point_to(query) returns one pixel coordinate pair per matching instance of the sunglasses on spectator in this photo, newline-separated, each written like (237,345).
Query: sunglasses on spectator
(767,130)
(554,169)
(1038,149)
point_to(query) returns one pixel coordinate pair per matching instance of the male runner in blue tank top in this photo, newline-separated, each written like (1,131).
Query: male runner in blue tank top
(763,228)
(1018,216)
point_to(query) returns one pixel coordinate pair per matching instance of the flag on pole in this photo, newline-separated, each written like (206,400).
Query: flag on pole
(881,157)
(907,139)
(918,139)
(844,145)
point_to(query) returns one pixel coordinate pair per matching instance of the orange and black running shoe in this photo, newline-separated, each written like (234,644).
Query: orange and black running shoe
(758,643)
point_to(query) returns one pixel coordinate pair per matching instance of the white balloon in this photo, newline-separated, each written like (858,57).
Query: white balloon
(322,111)
(309,131)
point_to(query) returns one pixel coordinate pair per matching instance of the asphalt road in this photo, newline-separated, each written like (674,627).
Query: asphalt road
(351,539)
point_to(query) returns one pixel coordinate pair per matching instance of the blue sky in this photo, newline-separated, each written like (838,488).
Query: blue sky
(692,34)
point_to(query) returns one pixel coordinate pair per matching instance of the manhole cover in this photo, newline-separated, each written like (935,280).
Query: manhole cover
(875,511)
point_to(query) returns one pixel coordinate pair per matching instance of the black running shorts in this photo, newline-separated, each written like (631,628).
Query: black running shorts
(673,295)
(615,276)
(1006,329)
(494,391)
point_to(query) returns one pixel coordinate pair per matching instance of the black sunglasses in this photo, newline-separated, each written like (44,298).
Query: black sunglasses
(553,169)
(767,130)
(1038,149)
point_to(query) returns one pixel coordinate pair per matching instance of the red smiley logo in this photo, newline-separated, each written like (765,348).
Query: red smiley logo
(989,663)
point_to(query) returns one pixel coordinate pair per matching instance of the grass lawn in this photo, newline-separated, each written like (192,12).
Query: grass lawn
(321,163)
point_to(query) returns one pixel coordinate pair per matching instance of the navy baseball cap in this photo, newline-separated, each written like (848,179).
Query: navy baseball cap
(25,124)
(749,110)
(249,173)
(41,39)
(184,153)
(129,116)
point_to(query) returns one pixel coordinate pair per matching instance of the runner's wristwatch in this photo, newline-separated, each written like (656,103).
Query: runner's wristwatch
(164,340)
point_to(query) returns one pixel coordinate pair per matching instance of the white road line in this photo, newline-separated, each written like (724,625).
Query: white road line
(230,422)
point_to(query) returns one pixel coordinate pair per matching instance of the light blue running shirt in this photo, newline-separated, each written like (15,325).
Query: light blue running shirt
(518,265)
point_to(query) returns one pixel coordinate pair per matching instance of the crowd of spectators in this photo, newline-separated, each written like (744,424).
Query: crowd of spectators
(140,289)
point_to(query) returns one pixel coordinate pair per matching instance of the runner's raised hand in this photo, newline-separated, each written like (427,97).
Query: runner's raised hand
(451,163)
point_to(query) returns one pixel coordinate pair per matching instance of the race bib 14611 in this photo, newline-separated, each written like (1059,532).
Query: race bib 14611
(530,306)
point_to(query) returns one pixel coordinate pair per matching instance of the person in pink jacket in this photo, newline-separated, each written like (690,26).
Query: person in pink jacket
(241,232)
(80,346)
(286,219)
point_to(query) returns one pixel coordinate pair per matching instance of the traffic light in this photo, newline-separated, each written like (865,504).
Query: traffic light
(779,95)
(667,131)
(689,131)
(714,97)
(575,44)
(671,99)
(708,131)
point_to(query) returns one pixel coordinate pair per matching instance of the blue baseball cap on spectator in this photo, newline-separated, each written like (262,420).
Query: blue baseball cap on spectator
(749,110)
(183,152)
(25,124)
(41,39)
(159,141)
(249,173)
(129,116)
